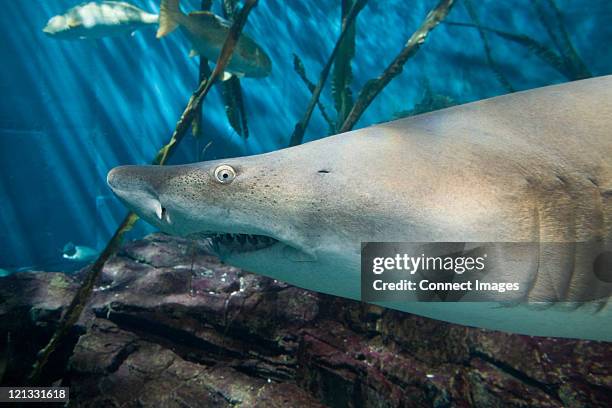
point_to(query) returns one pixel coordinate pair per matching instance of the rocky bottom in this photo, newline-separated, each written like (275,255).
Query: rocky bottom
(169,326)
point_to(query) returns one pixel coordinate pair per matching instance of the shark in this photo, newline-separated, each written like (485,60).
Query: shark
(528,167)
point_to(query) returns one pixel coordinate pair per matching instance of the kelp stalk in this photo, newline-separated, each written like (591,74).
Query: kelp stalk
(298,66)
(300,127)
(469,6)
(574,65)
(204,73)
(194,102)
(342,73)
(74,310)
(232,89)
(545,53)
(374,86)
(568,48)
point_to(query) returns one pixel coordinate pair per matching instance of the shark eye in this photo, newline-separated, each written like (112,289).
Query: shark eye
(225,174)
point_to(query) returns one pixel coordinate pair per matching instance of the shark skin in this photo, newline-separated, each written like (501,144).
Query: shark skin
(533,167)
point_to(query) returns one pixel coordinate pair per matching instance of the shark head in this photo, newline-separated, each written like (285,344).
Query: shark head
(275,214)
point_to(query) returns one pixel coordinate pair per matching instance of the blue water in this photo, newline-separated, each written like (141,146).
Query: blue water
(70,111)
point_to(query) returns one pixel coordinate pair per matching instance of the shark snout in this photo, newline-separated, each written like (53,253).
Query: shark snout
(137,187)
(138,178)
(129,178)
(116,178)
(132,183)
(151,191)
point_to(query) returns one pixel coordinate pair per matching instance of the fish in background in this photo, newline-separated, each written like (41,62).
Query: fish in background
(207,33)
(98,20)
(79,253)
(70,252)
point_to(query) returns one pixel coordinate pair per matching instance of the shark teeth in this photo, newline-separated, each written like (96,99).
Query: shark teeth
(237,242)
(157,207)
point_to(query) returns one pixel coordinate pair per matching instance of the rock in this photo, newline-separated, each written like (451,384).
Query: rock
(114,367)
(169,325)
(30,306)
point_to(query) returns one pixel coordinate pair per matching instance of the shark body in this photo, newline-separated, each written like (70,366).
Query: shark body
(534,166)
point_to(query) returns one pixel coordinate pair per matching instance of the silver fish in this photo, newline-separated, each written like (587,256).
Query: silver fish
(98,20)
(207,33)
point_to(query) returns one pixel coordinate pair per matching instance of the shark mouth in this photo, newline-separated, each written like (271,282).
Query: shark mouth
(229,242)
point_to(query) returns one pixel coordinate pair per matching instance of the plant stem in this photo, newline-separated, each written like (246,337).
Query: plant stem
(74,310)
(196,99)
(204,72)
(540,50)
(469,6)
(374,86)
(300,127)
(298,66)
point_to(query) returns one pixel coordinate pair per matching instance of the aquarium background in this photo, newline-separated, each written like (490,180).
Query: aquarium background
(72,110)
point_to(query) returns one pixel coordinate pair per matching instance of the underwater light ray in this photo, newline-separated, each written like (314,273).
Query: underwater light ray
(77,61)
(18,230)
(79,146)
(75,148)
